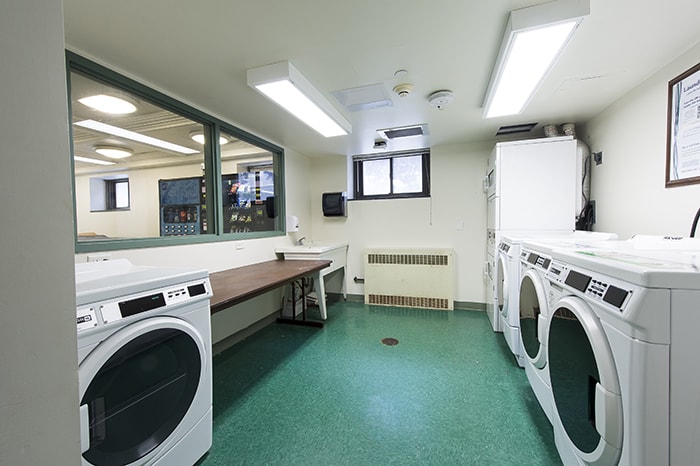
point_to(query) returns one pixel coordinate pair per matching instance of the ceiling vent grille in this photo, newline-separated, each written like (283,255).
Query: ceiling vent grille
(404,131)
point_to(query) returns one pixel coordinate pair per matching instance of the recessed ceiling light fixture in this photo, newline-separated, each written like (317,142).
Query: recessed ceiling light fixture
(109,104)
(77,158)
(133,136)
(288,88)
(114,152)
(534,38)
(198,137)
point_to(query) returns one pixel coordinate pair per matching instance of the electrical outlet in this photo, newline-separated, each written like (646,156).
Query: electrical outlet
(99,257)
(598,157)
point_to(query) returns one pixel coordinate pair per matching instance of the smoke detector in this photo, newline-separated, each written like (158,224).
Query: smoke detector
(402,90)
(403,85)
(441,99)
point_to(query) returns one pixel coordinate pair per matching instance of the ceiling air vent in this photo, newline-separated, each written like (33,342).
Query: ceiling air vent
(404,131)
(515,129)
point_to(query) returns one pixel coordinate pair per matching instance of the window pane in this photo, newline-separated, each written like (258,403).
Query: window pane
(158,146)
(376,179)
(408,174)
(121,191)
(248,185)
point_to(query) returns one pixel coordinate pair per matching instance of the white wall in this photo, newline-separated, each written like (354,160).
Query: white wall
(38,355)
(453,217)
(629,185)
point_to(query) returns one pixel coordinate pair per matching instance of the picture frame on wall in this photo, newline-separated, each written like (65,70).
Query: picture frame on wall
(683,130)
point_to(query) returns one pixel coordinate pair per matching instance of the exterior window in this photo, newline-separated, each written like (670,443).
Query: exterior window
(183,175)
(397,175)
(109,193)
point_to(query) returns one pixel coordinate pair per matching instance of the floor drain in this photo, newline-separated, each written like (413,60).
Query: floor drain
(390,341)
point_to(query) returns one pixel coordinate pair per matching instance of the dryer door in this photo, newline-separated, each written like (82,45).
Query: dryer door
(501,285)
(533,317)
(585,386)
(136,387)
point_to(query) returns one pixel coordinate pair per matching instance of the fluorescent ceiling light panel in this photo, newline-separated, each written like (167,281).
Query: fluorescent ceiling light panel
(95,161)
(133,136)
(286,86)
(534,38)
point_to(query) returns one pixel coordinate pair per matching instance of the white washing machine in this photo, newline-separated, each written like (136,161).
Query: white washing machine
(621,356)
(145,364)
(507,277)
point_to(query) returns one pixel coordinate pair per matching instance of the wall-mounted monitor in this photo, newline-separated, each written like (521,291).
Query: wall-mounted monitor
(334,204)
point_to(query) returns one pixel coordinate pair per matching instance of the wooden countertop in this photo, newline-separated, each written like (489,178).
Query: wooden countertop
(234,286)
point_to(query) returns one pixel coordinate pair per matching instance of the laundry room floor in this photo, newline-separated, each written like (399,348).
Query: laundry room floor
(444,391)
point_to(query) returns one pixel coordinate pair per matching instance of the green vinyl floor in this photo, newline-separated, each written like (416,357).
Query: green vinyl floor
(449,393)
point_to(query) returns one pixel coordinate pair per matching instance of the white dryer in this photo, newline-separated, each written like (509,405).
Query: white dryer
(621,356)
(507,276)
(145,370)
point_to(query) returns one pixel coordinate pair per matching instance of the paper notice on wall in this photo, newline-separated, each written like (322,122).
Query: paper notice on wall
(685,130)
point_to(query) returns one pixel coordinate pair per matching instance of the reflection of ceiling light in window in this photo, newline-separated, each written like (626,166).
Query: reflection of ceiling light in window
(108,104)
(126,134)
(95,161)
(198,137)
(114,152)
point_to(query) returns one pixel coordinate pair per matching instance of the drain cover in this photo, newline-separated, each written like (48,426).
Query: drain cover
(390,341)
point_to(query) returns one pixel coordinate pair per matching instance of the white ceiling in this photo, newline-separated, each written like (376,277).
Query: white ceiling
(199,52)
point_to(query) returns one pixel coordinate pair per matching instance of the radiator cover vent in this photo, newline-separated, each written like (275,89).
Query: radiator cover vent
(417,278)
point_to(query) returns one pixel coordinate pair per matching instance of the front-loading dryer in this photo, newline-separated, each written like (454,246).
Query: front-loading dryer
(621,356)
(508,275)
(534,298)
(145,370)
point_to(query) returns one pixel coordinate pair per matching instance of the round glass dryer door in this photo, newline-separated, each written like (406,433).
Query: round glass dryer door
(533,311)
(140,384)
(585,386)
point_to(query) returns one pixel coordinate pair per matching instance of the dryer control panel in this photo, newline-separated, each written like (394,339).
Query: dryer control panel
(120,308)
(594,287)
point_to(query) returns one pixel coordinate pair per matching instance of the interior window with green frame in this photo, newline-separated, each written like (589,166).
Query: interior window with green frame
(191,177)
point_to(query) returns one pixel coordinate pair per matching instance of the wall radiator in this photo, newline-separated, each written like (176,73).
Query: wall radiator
(422,278)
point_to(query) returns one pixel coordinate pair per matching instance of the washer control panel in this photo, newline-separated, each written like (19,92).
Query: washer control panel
(536,260)
(593,287)
(109,311)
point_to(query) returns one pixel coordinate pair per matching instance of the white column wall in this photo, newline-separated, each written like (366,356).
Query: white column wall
(38,355)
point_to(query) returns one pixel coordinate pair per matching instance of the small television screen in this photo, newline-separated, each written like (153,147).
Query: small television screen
(334,204)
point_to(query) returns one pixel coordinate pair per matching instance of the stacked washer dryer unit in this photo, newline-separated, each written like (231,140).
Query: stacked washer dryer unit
(508,273)
(621,345)
(145,370)
(531,186)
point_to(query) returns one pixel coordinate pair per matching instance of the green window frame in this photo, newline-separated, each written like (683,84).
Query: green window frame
(214,128)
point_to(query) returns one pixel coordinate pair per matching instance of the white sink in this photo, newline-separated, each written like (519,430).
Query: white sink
(312,248)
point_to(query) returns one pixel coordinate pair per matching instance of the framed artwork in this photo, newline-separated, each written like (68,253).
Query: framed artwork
(683,130)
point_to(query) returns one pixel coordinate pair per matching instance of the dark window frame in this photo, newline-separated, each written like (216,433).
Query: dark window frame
(358,175)
(111,192)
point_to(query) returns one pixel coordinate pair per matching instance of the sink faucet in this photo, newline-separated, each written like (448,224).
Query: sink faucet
(300,241)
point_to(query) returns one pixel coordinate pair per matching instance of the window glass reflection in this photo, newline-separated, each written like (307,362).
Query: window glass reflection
(248,187)
(117,135)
